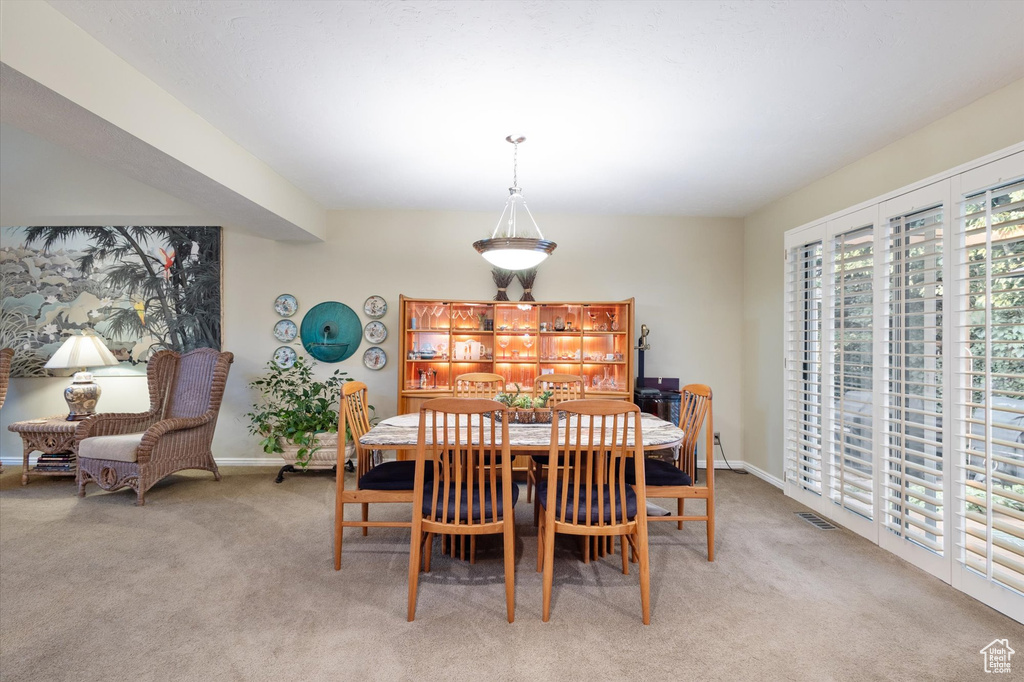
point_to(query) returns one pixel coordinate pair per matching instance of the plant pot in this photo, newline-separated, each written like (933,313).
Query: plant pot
(542,415)
(325,457)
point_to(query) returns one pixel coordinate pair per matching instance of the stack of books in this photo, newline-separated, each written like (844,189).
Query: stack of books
(64,461)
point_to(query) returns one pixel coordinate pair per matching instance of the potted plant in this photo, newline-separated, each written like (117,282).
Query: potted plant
(541,411)
(520,406)
(297,416)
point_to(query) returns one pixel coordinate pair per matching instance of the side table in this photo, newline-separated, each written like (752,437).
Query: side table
(50,436)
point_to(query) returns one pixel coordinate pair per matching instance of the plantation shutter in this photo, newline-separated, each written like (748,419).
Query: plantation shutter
(912,482)
(851,484)
(990,384)
(804,346)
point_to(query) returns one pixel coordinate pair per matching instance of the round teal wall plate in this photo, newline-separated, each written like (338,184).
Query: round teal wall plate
(331,331)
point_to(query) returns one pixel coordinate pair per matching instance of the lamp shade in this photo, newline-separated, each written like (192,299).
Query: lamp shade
(82,350)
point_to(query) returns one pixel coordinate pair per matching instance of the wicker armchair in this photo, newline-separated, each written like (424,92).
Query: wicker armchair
(137,450)
(5,377)
(5,371)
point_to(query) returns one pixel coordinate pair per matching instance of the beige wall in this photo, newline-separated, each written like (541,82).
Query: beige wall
(682,272)
(987,125)
(677,268)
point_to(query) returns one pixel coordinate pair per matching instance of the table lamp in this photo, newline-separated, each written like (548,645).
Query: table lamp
(81,351)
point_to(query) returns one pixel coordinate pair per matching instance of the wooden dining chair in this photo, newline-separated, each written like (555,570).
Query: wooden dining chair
(676,480)
(485,385)
(386,482)
(585,492)
(479,385)
(563,387)
(464,483)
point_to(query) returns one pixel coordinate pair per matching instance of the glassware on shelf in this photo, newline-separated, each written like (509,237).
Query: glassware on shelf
(527,343)
(503,342)
(614,322)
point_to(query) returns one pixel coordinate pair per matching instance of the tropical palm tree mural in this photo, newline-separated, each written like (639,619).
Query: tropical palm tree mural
(141,288)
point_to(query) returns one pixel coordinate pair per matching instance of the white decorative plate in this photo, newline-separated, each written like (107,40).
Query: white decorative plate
(285,357)
(286,305)
(285,331)
(375,358)
(375,332)
(375,307)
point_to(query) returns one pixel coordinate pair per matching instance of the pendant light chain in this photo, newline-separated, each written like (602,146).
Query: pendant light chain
(515,164)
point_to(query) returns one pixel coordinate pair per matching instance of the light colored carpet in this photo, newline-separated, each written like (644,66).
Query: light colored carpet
(234,581)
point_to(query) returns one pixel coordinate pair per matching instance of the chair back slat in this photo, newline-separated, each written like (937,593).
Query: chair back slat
(587,462)
(563,387)
(696,404)
(355,415)
(479,385)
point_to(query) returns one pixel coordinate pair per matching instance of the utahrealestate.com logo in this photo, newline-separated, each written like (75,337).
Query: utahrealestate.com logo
(997,656)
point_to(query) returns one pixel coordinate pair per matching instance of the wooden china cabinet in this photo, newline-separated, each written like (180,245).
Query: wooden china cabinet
(441,339)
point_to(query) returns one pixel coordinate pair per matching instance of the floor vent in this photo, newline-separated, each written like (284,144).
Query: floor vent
(815,520)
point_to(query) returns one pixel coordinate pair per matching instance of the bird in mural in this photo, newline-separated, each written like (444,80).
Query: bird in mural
(167,260)
(140,309)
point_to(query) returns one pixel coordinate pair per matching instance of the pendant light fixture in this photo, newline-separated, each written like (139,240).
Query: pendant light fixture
(516,243)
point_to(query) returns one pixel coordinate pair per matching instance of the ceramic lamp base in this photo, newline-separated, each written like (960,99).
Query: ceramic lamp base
(81,396)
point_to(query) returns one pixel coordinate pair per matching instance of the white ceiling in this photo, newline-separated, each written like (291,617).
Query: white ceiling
(693,108)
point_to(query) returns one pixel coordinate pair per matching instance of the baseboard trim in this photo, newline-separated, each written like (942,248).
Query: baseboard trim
(221,461)
(765,476)
(277,462)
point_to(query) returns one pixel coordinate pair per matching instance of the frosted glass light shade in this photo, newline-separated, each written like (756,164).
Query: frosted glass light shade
(84,350)
(515,254)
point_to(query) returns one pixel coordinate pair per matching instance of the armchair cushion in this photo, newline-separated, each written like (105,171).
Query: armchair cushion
(118,448)
(658,472)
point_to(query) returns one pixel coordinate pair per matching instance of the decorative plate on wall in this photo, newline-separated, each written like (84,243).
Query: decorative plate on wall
(285,331)
(285,357)
(375,307)
(375,358)
(331,331)
(286,305)
(375,332)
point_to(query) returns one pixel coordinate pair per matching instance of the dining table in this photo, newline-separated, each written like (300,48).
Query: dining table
(401,432)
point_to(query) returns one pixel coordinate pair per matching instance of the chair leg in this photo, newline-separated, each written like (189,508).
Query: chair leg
(510,570)
(682,505)
(540,545)
(625,557)
(711,529)
(428,552)
(645,572)
(472,551)
(414,568)
(549,571)
(530,479)
(366,517)
(339,516)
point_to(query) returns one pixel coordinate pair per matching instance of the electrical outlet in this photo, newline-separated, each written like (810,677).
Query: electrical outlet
(718,439)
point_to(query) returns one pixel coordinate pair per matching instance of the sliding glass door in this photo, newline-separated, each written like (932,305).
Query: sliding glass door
(904,376)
